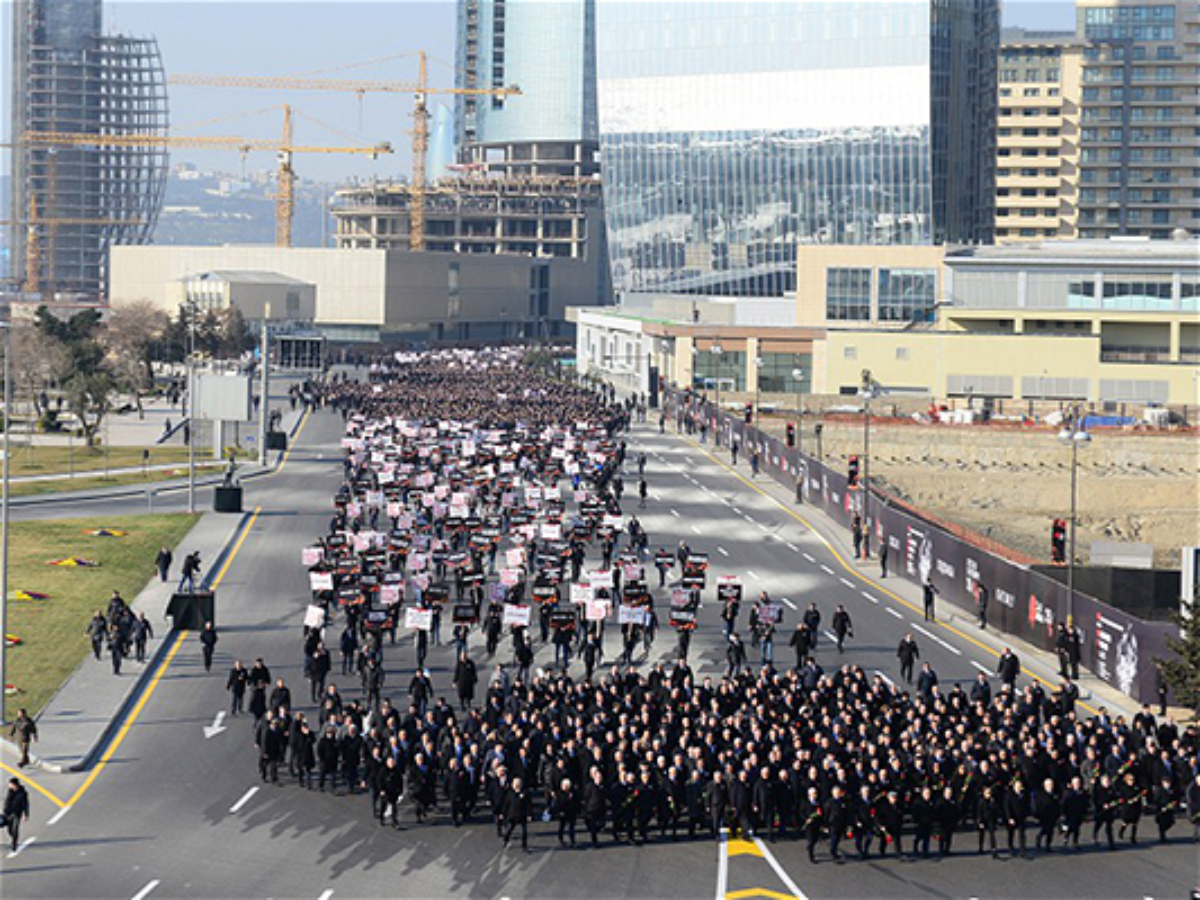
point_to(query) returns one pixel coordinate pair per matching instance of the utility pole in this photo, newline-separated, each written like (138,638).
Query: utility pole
(190,422)
(264,362)
(4,522)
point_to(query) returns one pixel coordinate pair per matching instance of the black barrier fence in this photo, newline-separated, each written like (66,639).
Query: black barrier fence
(1117,647)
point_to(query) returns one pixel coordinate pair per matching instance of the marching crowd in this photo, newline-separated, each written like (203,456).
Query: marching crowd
(461,469)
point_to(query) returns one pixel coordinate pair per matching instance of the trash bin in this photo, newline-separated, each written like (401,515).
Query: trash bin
(227,499)
(191,609)
(277,440)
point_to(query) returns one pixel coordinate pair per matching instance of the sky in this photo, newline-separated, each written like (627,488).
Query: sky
(298,37)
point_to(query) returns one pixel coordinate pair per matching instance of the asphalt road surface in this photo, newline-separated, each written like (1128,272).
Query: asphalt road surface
(173,813)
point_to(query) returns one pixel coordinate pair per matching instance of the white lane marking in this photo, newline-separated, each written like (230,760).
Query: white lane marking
(869,597)
(793,548)
(848,583)
(326,895)
(657,499)
(981,667)
(753,574)
(747,518)
(707,490)
(810,557)
(722,551)
(885,678)
(245,799)
(790,604)
(21,847)
(58,815)
(763,527)
(726,501)
(779,870)
(892,612)
(826,569)
(937,640)
(736,510)
(675,513)
(695,529)
(144,892)
(829,634)
(722,864)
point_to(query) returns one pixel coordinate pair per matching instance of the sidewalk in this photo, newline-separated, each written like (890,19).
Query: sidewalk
(81,717)
(1035,661)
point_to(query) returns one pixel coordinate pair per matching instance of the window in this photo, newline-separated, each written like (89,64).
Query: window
(1032,92)
(1052,75)
(848,294)
(902,353)
(849,353)
(907,295)
(1031,75)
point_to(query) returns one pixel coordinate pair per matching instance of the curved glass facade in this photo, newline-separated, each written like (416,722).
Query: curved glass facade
(731,132)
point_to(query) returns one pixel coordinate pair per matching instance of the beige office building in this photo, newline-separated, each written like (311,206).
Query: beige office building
(1037,135)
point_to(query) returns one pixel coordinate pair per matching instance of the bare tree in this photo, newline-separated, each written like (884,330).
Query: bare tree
(133,332)
(37,362)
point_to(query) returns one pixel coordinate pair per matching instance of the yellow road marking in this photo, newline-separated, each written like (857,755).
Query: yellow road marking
(291,444)
(738,847)
(33,784)
(857,574)
(149,692)
(759,892)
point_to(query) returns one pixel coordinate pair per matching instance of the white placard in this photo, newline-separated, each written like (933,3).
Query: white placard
(321,581)
(311,556)
(418,619)
(516,615)
(314,617)
(631,615)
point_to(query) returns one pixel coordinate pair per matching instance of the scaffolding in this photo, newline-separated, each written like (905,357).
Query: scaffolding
(69,77)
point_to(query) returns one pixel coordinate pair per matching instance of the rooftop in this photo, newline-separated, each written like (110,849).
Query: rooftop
(1183,252)
(245,276)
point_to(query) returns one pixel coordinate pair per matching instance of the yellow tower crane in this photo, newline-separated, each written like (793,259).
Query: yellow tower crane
(285,148)
(420,132)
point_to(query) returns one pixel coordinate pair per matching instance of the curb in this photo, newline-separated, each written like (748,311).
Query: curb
(137,687)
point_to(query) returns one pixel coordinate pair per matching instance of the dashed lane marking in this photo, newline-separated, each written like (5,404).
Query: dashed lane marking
(810,557)
(826,569)
(695,529)
(145,892)
(847,582)
(885,678)
(675,513)
(793,548)
(58,815)
(22,847)
(892,612)
(722,551)
(937,640)
(869,597)
(789,603)
(981,667)
(329,893)
(753,574)
(245,799)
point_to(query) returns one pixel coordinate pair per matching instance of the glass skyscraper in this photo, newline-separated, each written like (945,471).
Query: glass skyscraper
(732,132)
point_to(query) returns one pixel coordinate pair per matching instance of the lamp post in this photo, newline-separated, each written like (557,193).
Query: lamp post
(190,425)
(1075,436)
(797,375)
(867,392)
(717,351)
(7,326)
(758,364)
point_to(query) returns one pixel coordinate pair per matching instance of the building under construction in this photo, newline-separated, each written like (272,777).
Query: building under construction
(71,203)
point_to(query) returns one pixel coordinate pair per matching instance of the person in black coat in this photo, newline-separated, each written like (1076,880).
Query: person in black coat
(1074,811)
(924,814)
(16,809)
(864,821)
(927,681)
(1015,811)
(762,798)
(946,816)
(1130,804)
(812,822)
(694,801)
(327,759)
(465,679)
(890,816)
(208,644)
(837,816)
(1104,810)
(987,815)
(567,804)
(595,805)
(1047,810)
(1008,668)
(741,802)
(908,653)
(716,798)
(303,755)
(515,810)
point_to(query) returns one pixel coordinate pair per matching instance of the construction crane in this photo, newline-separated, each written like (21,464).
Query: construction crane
(285,148)
(420,131)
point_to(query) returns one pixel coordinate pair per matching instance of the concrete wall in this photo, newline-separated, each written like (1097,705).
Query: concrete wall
(350,283)
(813,260)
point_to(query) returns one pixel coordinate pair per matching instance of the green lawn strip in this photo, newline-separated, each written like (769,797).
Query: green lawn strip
(52,631)
(96,482)
(55,460)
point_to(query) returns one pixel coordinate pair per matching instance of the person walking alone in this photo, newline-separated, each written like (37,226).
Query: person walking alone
(208,644)
(24,730)
(162,562)
(16,808)
(930,593)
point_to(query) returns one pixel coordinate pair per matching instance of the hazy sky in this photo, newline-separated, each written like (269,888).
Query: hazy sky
(295,37)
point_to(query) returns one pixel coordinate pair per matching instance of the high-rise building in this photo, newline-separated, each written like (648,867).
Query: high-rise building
(733,132)
(74,202)
(548,49)
(1140,129)
(1037,135)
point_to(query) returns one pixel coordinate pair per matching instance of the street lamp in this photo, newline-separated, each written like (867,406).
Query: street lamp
(7,326)
(1076,436)
(797,376)
(717,351)
(190,426)
(758,364)
(868,391)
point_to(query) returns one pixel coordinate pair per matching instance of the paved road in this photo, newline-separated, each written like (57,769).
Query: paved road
(172,814)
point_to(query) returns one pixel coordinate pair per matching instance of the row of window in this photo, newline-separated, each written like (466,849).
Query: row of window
(1031,152)
(1099,52)
(1133,95)
(1133,217)
(1113,176)
(1030,92)
(1116,74)
(903,295)
(1027,232)
(1026,192)
(1030,112)
(1028,132)
(1159,135)
(1133,195)
(1052,75)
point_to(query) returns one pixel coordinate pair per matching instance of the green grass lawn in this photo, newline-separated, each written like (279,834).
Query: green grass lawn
(54,460)
(95,481)
(52,630)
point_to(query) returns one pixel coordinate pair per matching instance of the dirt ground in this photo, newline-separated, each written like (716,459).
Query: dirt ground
(1010,483)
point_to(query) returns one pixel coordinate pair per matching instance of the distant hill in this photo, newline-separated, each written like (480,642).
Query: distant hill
(221,209)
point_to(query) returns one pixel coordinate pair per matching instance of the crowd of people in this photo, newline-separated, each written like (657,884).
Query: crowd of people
(477,489)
